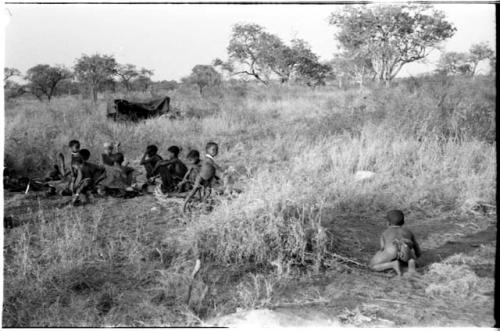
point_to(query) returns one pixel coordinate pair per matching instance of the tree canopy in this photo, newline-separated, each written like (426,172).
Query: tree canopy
(262,55)
(44,79)
(390,35)
(479,52)
(204,76)
(252,49)
(95,71)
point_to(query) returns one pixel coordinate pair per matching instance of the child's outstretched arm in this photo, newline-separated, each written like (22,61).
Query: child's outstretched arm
(196,188)
(185,178)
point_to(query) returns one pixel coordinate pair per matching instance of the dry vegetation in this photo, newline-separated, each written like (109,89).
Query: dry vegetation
(294,153)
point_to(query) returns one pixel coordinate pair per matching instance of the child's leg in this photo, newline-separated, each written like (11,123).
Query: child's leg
(386,259)
(411,266)
(191,194)
(395,265)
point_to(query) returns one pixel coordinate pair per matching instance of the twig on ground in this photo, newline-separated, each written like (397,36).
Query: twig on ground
(345,259)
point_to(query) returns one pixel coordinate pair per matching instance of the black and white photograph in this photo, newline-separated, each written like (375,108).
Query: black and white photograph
(249,164)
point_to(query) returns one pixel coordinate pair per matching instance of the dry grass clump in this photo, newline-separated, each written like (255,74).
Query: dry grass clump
(456,278)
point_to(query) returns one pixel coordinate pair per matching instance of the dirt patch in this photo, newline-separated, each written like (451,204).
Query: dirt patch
(463,245)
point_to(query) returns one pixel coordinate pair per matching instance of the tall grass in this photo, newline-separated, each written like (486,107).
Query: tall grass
(296,152)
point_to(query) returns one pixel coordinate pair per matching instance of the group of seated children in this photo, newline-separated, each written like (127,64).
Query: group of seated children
(180,180)
(114,178)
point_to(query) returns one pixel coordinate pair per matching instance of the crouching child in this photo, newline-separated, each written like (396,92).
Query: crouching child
(398,246)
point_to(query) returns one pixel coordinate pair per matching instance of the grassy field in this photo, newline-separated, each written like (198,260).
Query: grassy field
(295,241)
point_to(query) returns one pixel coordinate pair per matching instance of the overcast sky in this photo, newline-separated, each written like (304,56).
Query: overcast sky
(171,39)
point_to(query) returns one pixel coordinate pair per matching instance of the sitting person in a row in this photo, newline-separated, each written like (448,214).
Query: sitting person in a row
(118,180)
(88,176)
(171,170)
(149,161)
(194,167)
(206,177)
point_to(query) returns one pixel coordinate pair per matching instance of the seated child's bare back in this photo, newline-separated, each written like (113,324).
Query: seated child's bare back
(397,245)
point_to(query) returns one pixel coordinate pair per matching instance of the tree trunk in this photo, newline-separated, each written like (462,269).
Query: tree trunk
(93,93)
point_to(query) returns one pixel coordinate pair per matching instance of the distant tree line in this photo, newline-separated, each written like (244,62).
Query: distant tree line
(90,75)
(375,43)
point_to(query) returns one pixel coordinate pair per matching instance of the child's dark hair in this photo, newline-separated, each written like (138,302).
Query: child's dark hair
(74,143)
(118,158)
(84,154)
(174,150)
(396,217)
(193,154)
(211,144)
(152,149)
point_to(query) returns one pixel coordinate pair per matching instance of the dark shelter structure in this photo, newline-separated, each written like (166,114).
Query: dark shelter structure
(135,111)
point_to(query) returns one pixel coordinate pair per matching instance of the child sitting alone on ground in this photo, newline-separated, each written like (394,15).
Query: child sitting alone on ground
(397,246)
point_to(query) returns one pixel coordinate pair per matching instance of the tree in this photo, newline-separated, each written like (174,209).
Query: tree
(493,65)
(305,65)
(127,72)
(8,73)
(252,51)
(391,36)
(283,61)
(95,71)
(44,79)
(168,85)
(454,63)
(11,88)
(143,79)
(204,76)
(479,52)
